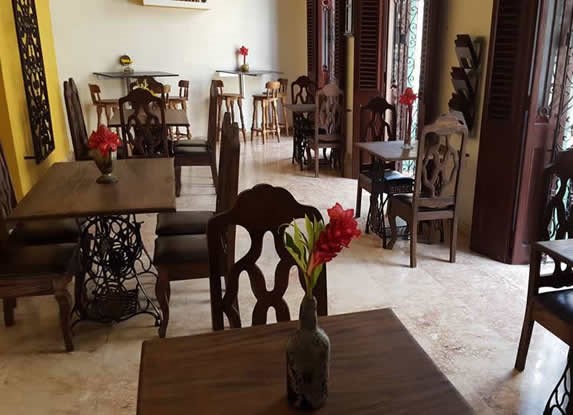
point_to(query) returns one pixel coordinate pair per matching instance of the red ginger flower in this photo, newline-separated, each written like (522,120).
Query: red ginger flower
(104,140)
(408,97)
(243,51)
(337,235)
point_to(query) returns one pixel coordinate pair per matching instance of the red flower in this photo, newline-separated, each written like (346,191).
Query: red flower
(408,97)
(243,51)
(337,235)
(104,140)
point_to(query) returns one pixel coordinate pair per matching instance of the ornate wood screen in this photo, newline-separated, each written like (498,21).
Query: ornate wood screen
(34,75)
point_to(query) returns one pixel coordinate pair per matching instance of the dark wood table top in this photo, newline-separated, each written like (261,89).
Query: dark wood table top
(70,190)
(251,72)
(561,250)
(389,150)
(376,368)
(173,118)
(301,107)
(137,74)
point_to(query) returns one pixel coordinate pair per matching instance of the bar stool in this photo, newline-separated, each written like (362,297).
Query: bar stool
(109,106)
(283,99)
(229,100)
(180,103)
(269,112)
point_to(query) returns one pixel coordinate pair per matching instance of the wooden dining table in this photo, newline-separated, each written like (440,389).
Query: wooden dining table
(113,257)
(376,368)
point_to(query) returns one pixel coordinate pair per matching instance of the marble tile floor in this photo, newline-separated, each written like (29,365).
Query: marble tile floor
(467,316)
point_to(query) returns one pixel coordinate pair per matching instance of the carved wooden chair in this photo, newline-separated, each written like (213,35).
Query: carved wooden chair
(179,102)
(438,169)
(32,270)
(107,106)
(262,209)
(553,309)
(268,103)
(76,121)
(179,256)
(143,125)
(378,123)
(303,91)
(229,99)
(195,222)
(152,85)
(328,126)
(199,152)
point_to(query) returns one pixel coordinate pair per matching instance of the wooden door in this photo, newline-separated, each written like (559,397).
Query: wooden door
(370,55)
(546,94)
(504,129)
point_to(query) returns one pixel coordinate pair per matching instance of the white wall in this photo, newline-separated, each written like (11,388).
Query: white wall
(90,35)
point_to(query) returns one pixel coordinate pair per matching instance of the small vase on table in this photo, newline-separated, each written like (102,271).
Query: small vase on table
(407,99)
(102,143)
(308,349)
(244,52)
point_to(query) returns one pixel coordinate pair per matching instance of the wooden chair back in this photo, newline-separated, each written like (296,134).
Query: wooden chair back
(143,125)
(95,93)
(218,85)
(330,113)
(76,121)
(229,159)
(262,209)
(439,164)
(283,91)
(303,90)
(272,89)
(7,196)
(557,220)
(215,94)
(183,89)
(152,85)
(378,121)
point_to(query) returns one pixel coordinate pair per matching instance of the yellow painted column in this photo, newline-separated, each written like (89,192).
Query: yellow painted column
(15,133)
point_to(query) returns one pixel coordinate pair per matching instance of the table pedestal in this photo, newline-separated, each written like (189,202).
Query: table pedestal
(301,125)
(560,401)
(113,261)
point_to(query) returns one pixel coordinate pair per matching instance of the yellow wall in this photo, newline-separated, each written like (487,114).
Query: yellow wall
(474,18)
(15,133)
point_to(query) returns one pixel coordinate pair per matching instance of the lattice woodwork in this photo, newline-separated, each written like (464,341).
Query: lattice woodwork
(33,72)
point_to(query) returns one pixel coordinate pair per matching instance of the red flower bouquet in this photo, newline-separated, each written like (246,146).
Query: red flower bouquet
(408,97)
(322,243)
(104,140)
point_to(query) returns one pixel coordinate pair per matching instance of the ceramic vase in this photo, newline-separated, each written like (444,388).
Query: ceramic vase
(105,165)
(308,361)
(408,138)
(244,67)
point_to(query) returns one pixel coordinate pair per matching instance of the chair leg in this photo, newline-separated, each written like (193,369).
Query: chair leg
(358,201)
(413,243)
(285,117)
(9,306)
(240,104)
(316,160)
(525,339)
(219,118)
(453,240)
(393,226)
(276,122)
(64,300)
(265,120)
(163,293)
(214,173)
(177,181)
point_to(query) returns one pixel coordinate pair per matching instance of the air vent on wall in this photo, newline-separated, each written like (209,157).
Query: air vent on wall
(182,4)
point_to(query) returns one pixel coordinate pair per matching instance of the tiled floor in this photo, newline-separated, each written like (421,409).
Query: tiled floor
(467,316)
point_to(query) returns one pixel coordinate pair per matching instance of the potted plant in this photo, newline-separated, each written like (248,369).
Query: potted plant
(308,349)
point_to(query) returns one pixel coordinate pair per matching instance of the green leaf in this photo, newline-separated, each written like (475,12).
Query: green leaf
(309,232)
(299,261)
(289,242)
(316,274)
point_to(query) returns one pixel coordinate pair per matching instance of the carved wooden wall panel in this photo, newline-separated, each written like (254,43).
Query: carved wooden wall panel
(34,75)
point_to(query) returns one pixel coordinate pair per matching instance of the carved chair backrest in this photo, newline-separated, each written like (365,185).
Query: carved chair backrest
(152,85)
(272,89)
(183,89)
(76,121)
(7,196)
(262,209)
(219,86)
(557,221)
(330,113)
(143,125)
(439,163)
(303,90)
(95,93)
(378,121)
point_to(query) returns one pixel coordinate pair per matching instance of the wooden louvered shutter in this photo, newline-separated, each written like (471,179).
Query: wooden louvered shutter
(312,52)
(340,44)
(370,51)
(503,127)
